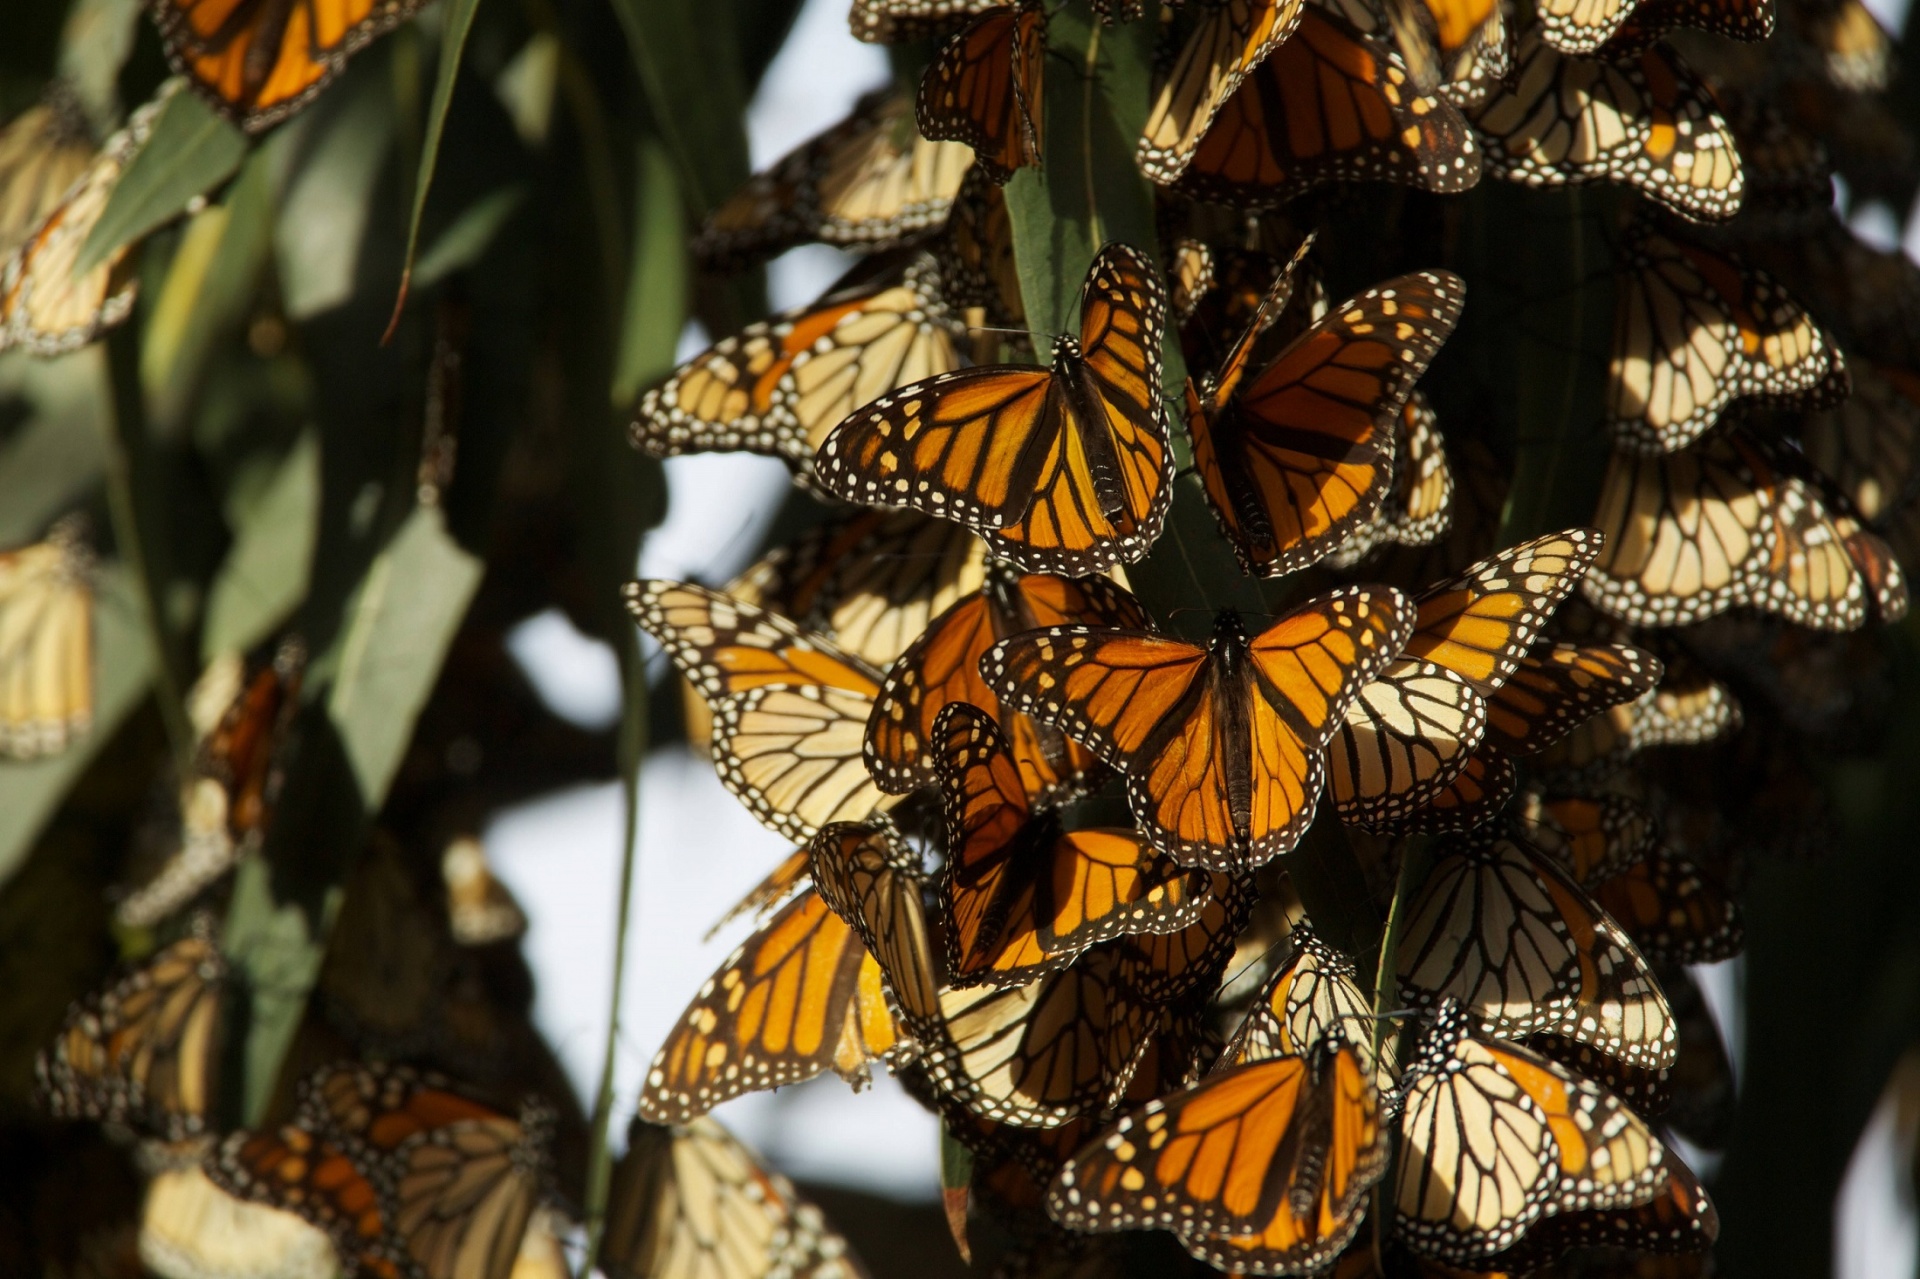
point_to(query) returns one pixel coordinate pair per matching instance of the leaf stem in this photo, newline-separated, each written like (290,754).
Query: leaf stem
(129,473)
(632,746)
(1091,70)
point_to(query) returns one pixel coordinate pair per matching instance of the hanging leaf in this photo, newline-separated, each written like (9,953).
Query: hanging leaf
(191,150)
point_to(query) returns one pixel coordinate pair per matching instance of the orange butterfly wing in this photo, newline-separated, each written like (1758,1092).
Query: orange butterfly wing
(260,62)
(1304,455)
(1236,1155)
(1025,896)
(298,1171)
(942,667)
(799,996)
(984,88)
(1329,105)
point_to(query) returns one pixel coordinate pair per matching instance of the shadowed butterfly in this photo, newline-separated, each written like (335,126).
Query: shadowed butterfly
(1329,105)
(942,668)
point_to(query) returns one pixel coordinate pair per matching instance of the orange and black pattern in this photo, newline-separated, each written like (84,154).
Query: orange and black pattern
(985,88)
(1063,470)
(1297,456)
(1221,746)
(259,61)
(1329,105)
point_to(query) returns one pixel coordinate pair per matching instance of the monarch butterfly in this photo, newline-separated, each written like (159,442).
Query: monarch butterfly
(1313,995)
(1276,1155)
(942,667)
(260,63)
(1869,445)
(1230,41)
(1855,50)
(890,21)
(1480,66)
(1221,745)
(1303,455)
(413,1175)
(1647,122)
(869,877)
(870,181)
(789,707)
(691,1201)
(1025,896)
(777,387)
(871,581)
(44,306)
(1680,1218)
(1560,688)
(43,152)
(1688,708)
(798,997)
(1612,847)
(246,709)
(1043,1054)
(1064,470)
(1686,532)
(1329,105)
(1418,505)
(1503,929)
(46,643)
(1869,299)
(298,1170)
(1696,330)
(1410,732)
(480,909)
(984,88)
(1226,296)
(1495,1136)
(1166,967)
(1758,535)
(1581,27)
(144,1051)
(977,267)
(795,869)
(189,1226)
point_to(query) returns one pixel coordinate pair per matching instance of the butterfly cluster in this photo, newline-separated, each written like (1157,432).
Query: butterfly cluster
(1260,761)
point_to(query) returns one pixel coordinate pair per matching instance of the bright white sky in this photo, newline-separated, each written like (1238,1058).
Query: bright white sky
(699,850)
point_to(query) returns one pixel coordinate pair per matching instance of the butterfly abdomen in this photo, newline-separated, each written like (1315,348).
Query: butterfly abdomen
(1232,694)
(1075,380)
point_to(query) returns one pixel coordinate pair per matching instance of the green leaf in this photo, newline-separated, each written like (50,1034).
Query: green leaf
(58,451)
(408,608)
(453,43)
(267,569)
(1089,191)
(123,669)
(656,309)
(693,87)
(94,45)
(191,150)
(328,198)
(210,285)
(463,243)
(278,943)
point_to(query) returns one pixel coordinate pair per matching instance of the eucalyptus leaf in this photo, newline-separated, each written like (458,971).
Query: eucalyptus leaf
(267,569)
(457,23)
(57,450)
(463,243)
(191,150)
(400,624)
(656,308)
(694,90)
(328,199)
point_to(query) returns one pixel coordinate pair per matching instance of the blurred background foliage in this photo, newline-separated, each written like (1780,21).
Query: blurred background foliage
(277,441)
